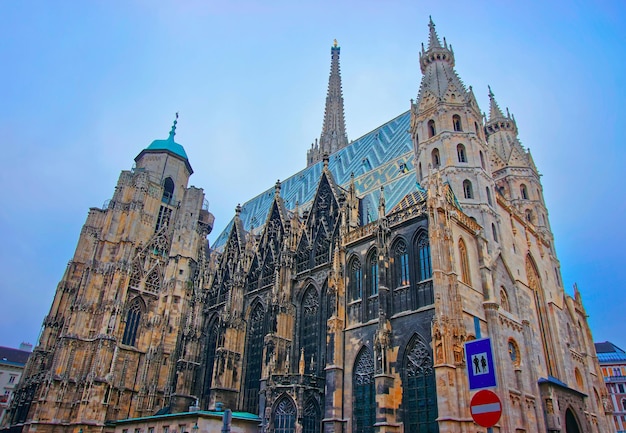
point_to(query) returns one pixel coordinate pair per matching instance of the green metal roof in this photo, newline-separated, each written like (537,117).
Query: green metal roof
(169,145)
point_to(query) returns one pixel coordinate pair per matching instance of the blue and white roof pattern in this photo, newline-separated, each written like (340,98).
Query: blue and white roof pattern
(382,157)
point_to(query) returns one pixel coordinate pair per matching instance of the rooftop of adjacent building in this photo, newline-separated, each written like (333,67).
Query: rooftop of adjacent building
(609,352)
(15,357)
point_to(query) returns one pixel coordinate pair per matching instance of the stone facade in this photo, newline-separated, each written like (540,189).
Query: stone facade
(347,310)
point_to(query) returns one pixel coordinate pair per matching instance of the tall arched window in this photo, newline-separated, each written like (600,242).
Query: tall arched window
(423,255)
(254,359)
(211,344)
(420,170)
(285,416)
(468,192)
(310,329)
(419,399)
(356,280)
(524,191)
(372,273)
(456,122)
(436,158)
(488,196)
(422,292)
(133,318)
(168,190)
(460,152)
(401,264)
(464,262)
(482,159)
(431,128)
(363,393)
(311,419)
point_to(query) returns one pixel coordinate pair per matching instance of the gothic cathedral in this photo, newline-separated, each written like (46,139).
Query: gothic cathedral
(340,300)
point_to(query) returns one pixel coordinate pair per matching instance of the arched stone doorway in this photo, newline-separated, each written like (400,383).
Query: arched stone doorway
(571,424)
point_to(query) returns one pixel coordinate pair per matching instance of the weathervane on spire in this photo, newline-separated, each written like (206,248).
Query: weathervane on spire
(335,43)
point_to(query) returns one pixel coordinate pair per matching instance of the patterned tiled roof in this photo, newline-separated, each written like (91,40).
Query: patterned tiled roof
(382,157)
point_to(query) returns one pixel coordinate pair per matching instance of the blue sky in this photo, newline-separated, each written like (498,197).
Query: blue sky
(87,85)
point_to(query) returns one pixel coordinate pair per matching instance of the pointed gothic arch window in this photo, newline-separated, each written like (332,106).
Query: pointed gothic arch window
(494,232)
(431,128)
(436,158)
(372,273)
(401,264)
(423,255)
(464,262)
(460,152)
(371,280)
(356,279)
(133,319)
(310,329)
(504,300)
(534,283)
(212,332)
(254,358)
(523,191)
(168,190)
(488,196)
(420,171)
(468,191)
(312,418)
(363,393)
(419,399)
(571,423)
(285,416)
(456,122)
(482,159)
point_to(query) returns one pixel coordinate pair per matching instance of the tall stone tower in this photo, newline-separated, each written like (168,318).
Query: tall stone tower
(333,136)
(110,343)
(447,132)
(514,170)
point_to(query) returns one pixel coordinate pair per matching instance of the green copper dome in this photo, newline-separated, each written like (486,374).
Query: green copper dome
(169,144)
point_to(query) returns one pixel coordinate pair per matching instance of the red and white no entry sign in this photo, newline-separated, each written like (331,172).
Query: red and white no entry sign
(486,408)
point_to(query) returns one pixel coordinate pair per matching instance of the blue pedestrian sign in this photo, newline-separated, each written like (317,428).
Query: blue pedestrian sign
(479,359)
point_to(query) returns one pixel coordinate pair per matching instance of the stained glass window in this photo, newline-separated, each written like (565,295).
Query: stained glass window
(364,393)
(419,399)
(356,280)
(285,416)
(254,358)
(132,322)
(311,418)
(401,260)
(423,252)
(310,329)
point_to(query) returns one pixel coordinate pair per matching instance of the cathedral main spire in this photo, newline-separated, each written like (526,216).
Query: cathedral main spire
(333,137)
